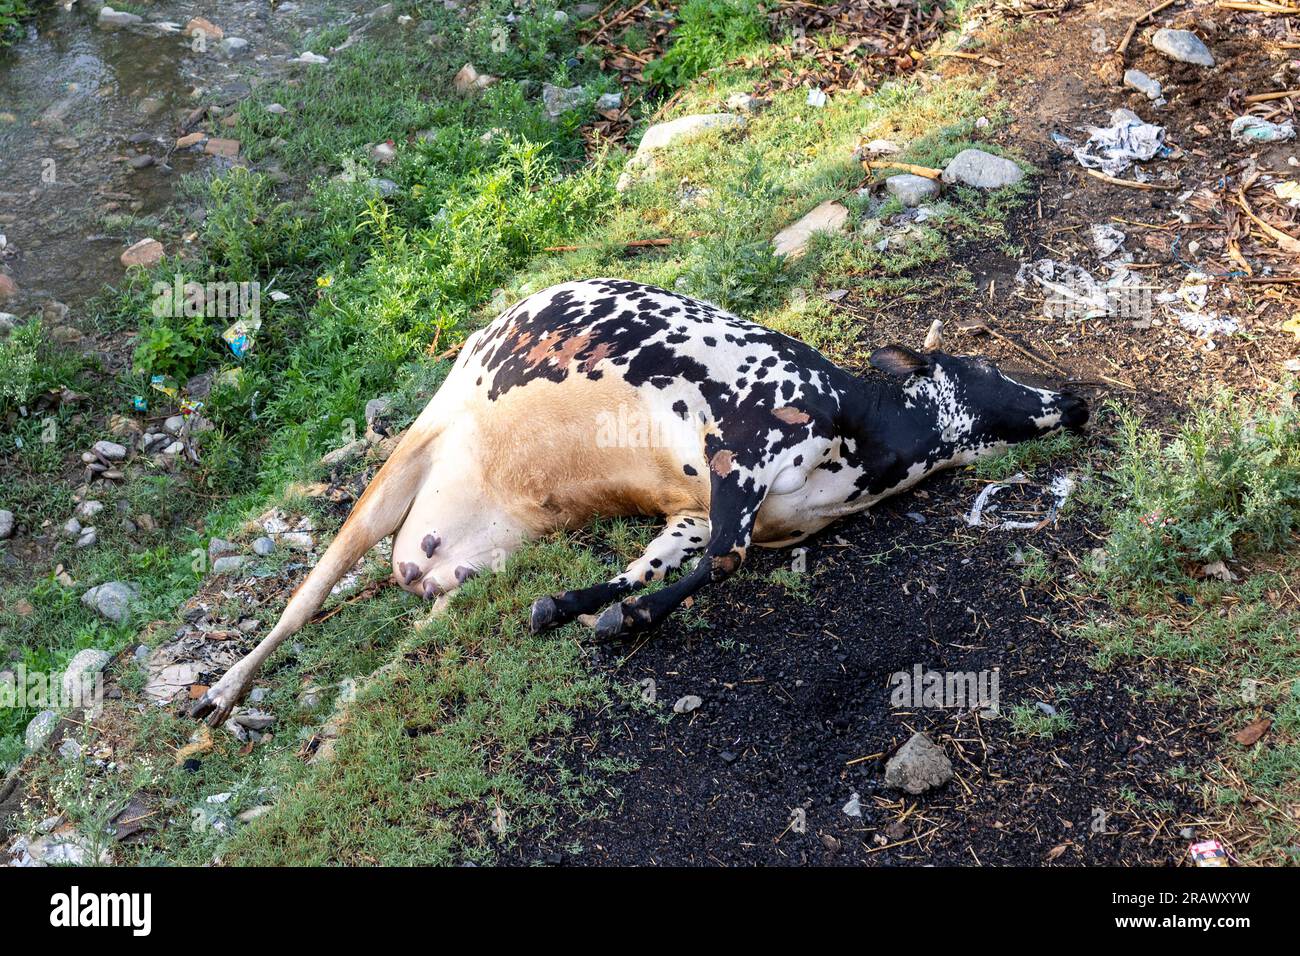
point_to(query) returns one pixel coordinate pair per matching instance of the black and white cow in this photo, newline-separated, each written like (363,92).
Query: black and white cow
(609,397)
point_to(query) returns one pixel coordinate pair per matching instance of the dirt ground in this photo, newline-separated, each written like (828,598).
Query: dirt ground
(796,710)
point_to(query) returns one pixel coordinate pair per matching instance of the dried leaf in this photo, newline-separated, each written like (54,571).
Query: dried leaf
(1252,731)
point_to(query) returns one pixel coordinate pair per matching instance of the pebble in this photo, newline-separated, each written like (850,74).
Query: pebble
(263,546)
(88,539)
(218,547)
(919,765)
(974,167)
(911,190)
(687,704)
(70,749)
(143,161)
(72,528)
(609,101)
(88,509)
(109,450)
(7,524)
(383,153)
(228,564)
(558,100)
(1137,80)
(1183,46)
(469,81)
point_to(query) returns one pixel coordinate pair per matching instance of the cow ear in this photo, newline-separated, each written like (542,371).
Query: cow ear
(900,362)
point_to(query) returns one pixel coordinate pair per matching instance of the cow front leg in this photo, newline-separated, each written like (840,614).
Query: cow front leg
(682,537)
(731,518)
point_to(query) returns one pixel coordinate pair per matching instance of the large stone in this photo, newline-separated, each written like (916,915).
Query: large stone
(974,167)
(40,730)
(673,132)
(792,241)
(911,190)
(1183,46)
(146,252)
(558,100)
(109,450)
(228,564)
(112,600)
(7,524)
(919,765)
(80,673)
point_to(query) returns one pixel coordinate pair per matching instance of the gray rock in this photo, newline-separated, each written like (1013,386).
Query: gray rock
(263,546)
(88,509)
(217,547)
(81,671)
(109,450)
(88,539)
(234,46)
(143,161)
(70,750)
(1137,80)
(1183,46)
(112,600)
(911,190)
(609,101)
(747,103)
(253,719)
(110,19)
(919,765)
(687,704)
(39,731)
(174,424)
(663,135)
(228,564)
(558,100)
(349,452)
(72,528)
(7,524)
(377,407)
(974,167)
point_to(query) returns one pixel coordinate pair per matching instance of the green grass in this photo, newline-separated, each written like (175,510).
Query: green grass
(1029,720)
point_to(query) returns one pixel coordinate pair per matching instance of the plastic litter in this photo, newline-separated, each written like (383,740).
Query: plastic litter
(1128,140)
(1106,239)
(1209,853)
(240,335)
(1252,129)
(1060,489)
(1075,290)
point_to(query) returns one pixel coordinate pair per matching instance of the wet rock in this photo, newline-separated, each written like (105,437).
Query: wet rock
(919,765)
(112,600)
(558,100)
(110,19)
(687,704)
(7,524)
(469,81)
(227,148)
(81,671)
(263,546)
(911,190)
(974,167)
(1183,46)
(1137,80)
(792,241)
(40,730)
(146,252)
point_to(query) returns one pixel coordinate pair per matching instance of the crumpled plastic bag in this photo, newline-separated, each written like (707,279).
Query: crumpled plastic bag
(1073,290)
(1252,129)
(1115,148)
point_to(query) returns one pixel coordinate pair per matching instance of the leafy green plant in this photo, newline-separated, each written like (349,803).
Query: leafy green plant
(18,363)
(1227,484)
(12,12)
(708,34)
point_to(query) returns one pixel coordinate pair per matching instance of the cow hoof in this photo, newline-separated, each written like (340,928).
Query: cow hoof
(610,623)
(216,705)
(542,615)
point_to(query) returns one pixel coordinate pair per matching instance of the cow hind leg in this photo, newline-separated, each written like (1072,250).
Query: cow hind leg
(683,536)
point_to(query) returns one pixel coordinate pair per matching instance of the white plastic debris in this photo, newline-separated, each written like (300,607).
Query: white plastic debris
(817,97)
(1060,489)
(1075,291)
(1252,129)
(1115,148)
(1106,239)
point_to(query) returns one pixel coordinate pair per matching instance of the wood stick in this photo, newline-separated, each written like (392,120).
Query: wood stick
(1132,29)
(633,244)
(869,165)
(1258,7)
(985,327)
(979,57)
(1265,97)
(1131,183)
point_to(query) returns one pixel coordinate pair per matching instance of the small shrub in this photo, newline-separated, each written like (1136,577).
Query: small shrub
(18,363)
(1227,484)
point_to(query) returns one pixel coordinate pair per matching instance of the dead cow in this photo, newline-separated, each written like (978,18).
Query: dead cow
(608,397)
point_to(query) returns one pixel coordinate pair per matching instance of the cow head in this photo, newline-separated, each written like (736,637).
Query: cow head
(975,408)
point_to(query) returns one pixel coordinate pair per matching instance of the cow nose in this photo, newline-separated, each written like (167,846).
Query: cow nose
(1074,412)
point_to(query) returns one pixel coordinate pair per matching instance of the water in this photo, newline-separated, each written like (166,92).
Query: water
(77,102)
